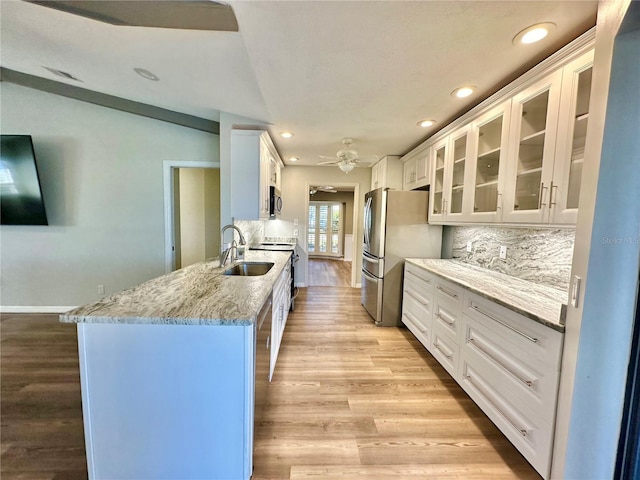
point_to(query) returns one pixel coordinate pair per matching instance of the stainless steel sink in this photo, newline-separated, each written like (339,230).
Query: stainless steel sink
(249,269)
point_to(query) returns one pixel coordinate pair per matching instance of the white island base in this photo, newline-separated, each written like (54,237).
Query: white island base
(167,401)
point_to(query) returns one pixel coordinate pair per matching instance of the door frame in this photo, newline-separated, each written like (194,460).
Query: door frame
(356,224)
(169,227)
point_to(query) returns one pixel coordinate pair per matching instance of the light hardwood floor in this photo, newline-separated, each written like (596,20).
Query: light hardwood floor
(329,272)
(348,401)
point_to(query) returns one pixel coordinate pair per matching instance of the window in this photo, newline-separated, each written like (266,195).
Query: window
(325,229)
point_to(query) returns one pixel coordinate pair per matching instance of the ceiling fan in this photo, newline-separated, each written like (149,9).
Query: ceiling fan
(325,188)
(346,158)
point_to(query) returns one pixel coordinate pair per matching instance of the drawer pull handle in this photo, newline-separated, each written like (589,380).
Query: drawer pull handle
(420,299)
(419,277)
(477,309)
(439,347)
(523,431)
(447,291)
(478,345)
(446,319)
(415,322)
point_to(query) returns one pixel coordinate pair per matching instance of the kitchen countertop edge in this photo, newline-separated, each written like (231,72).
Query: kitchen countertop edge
(485,276)
(198,294)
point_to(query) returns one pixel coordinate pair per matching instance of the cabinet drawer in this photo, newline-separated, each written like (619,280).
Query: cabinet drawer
(542,344)
(447,315)
(418,278)
(418,310)
(449,291)
(422,333)
(530,435)
(514,374)
(424,299)
(445,350)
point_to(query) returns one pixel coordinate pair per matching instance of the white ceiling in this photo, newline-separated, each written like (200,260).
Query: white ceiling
(324,70)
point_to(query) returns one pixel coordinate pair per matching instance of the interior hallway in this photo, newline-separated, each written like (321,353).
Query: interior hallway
(329,272)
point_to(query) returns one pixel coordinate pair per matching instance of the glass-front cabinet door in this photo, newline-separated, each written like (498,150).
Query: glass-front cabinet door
(489,135)
(439,186)
(534,123)
(456,201)
(572,132)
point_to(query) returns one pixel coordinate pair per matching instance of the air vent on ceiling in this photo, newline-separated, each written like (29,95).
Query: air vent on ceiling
(62,74)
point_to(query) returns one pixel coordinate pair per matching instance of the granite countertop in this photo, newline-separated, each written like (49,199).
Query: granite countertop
(195,295)
(541,303)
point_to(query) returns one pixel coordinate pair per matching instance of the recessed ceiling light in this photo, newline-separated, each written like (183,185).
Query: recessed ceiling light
(534,33)
(286,134)
(426,123)
(146,74)
(463,92)
(293,159)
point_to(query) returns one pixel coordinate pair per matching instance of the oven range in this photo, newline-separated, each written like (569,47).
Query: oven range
(282,247)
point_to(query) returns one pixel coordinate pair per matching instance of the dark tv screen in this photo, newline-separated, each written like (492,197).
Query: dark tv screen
(20,194)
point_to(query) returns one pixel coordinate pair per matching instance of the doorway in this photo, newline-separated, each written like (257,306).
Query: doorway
(330,231)
(192,212)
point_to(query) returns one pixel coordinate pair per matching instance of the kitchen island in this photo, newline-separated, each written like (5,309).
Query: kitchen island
(168,373)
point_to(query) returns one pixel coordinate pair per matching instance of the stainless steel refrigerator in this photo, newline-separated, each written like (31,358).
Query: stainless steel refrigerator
(395,228)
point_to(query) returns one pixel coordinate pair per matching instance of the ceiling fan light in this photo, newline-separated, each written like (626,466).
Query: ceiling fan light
(346,167)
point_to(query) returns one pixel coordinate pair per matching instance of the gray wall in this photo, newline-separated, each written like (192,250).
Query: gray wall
(102,178)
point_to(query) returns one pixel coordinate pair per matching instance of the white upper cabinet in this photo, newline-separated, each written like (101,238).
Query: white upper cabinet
(572,131)
(255,166)
(534,126)
(517,157)
(416,170)
(450,200)
(489,135)
(438,186)
(387,173)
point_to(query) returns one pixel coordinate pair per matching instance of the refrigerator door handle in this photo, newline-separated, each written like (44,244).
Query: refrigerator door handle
(367,222)
(370,258)
(369,276)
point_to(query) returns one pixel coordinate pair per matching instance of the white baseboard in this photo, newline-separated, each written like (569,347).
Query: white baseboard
(35,309)
(301,285)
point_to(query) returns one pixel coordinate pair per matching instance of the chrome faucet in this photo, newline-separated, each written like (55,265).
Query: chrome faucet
(224,253)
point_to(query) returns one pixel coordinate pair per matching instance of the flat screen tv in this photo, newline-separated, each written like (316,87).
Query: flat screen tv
(20,193)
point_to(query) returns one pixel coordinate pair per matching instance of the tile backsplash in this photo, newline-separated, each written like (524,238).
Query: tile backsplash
(253,230)
(539,255)
(257,231)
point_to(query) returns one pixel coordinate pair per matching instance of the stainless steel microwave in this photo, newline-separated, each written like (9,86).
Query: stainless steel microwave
(275,202)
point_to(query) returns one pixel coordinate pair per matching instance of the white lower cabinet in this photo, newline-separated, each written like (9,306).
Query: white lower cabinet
(417,303)
(447,325)
(507,363)
(280,303)
(445,350)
